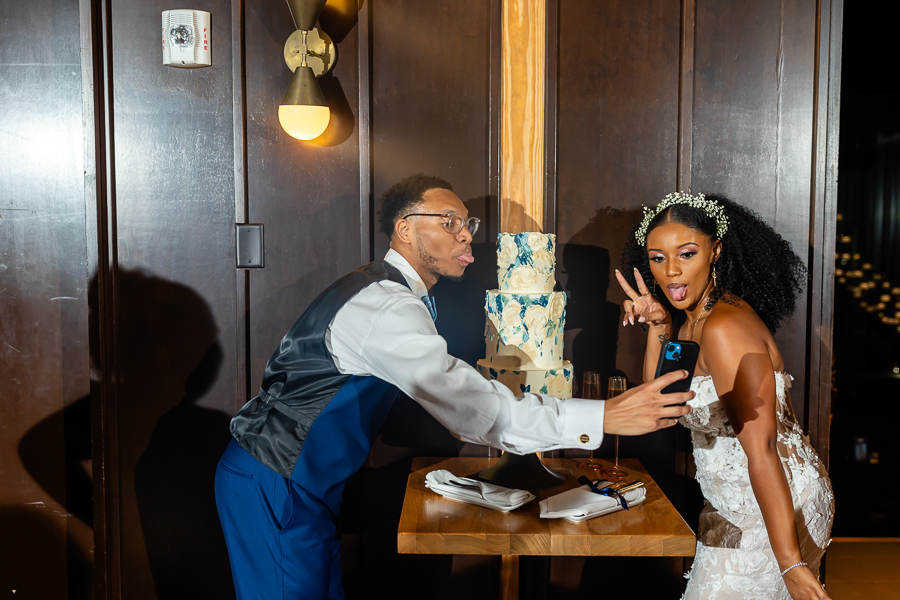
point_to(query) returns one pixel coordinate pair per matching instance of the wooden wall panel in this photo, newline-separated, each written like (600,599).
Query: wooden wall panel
(305,193)
(618,119)
(431,99)
(618,132)
(416,88)
(716,97)
(435,109)
(45,502)
(174,293)
(753,128)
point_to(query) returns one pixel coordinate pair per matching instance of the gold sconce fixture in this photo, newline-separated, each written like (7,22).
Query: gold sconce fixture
(310,53)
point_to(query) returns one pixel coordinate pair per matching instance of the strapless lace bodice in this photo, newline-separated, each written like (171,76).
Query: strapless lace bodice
(734,558)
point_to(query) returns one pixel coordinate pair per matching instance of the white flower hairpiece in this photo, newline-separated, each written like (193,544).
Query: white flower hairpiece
(710,207)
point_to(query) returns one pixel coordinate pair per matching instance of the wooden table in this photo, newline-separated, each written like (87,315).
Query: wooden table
(432,524)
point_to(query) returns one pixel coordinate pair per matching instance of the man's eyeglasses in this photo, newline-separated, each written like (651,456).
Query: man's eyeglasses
(453,223)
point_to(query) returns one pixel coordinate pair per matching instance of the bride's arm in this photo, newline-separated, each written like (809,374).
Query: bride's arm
(656,337)
(744,377)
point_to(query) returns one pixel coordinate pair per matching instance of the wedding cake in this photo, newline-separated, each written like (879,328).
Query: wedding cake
(526,318)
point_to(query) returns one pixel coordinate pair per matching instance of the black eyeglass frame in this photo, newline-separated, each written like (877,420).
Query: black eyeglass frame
(470,223)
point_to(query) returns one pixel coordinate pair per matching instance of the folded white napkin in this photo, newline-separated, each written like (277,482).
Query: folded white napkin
(475,492)
(581,504)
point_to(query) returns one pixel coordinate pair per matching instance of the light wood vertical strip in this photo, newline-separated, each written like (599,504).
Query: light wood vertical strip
(509,577)
(522,115)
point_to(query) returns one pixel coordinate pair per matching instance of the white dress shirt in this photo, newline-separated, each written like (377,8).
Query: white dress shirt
(387,331)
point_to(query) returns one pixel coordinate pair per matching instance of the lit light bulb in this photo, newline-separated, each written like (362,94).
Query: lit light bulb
(304,122)
(303,112)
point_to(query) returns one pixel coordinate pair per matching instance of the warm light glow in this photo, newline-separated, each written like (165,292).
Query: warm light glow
(304,122)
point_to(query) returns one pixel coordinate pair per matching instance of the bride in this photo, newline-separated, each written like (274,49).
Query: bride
(723,278)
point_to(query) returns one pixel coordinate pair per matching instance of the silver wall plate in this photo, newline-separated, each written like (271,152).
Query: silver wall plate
(249,245)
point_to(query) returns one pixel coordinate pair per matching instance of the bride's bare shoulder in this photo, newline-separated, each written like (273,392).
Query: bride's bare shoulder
(734,322)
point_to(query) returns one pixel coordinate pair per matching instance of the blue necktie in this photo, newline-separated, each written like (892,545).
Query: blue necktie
(429,303)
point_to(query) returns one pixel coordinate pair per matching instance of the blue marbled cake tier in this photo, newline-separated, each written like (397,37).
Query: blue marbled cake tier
(526,262)
(525,330)
(555,382)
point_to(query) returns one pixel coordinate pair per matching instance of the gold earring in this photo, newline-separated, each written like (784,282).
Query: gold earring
(654,286)
(714,274)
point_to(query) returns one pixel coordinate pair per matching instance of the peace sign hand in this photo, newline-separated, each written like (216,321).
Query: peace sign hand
(642,307)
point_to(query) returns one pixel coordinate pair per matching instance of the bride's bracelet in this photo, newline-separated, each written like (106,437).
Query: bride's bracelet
(799,564)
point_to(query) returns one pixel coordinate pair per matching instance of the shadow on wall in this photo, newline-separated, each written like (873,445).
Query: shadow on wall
(24,571)
(587,271)
(168,358)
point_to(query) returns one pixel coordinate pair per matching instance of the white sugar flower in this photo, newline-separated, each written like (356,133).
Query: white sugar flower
(506,252)
(536,320)
(537,241)
(512,315)
(543,261)
(556,306)
(522,278)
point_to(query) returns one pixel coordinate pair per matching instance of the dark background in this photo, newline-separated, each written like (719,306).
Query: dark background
(867,336)
(128,337)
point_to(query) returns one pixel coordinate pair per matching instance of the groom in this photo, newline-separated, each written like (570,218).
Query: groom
(332,380)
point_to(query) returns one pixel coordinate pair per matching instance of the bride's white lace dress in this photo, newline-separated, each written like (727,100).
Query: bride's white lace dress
(734,559)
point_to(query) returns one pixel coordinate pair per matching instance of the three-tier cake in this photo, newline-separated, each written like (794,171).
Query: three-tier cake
(526,318)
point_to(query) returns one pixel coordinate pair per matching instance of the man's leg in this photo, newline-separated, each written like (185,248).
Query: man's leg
(280,540)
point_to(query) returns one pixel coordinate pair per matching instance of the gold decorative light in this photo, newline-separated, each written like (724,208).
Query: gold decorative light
(310,53)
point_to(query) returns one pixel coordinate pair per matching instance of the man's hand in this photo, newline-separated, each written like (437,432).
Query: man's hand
(644,409)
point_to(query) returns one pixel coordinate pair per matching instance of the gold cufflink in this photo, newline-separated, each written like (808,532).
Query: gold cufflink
(585,438)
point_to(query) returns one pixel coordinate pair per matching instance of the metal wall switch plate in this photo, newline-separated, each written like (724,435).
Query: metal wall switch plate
(250,247)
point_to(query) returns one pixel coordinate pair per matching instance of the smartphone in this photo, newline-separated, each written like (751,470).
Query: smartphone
(676,356)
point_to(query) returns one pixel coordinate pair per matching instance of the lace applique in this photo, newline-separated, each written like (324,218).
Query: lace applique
(734,559)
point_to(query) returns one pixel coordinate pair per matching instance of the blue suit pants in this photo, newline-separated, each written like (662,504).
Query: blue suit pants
(281,539)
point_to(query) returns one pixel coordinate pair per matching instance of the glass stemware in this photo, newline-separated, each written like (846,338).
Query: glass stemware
(616,387)
(590,389)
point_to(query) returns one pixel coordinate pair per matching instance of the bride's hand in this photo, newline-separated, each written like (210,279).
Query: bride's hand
(803,585)
(642,307)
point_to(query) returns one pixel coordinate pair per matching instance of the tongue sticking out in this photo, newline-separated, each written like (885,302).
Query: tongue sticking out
(677,292)
(466,258)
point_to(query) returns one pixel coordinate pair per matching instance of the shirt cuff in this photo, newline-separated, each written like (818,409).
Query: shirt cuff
(583,423)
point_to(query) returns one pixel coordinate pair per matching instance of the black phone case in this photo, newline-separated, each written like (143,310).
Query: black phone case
(674,356)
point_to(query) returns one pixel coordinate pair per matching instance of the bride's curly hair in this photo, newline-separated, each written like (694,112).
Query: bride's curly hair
(756,263)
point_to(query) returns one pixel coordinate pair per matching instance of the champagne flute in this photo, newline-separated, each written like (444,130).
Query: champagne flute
(590,389)
(616,387)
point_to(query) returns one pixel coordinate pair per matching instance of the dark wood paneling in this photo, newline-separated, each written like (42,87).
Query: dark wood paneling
(823,201)
(434,109)
(45,502)
(618,103)
(435,88)
(174,293)
(650,94)
(753,128)
(431,98)
(306,193)
(618,133)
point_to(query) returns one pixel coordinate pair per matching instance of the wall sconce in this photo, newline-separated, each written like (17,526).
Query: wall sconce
(310,53)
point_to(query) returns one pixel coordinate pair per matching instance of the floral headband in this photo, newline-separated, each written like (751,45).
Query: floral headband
(710,207)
